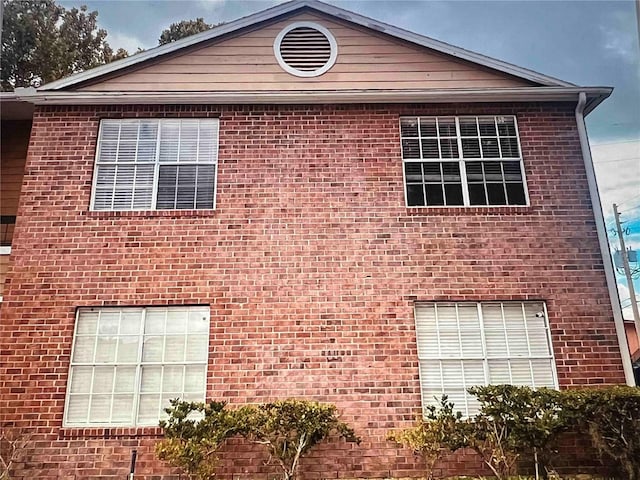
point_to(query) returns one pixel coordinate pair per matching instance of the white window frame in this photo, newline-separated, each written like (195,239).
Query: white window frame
(138,366)
(461,160)
(157,163)
(485,357)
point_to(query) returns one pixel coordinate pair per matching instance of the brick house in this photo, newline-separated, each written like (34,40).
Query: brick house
(301,203)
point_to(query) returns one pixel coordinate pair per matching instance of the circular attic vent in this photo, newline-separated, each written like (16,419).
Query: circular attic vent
(305,49)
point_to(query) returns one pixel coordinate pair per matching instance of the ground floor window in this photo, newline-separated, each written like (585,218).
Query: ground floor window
(465,344)
(127,363)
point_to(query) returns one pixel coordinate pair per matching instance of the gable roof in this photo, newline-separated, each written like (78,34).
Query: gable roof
(292,7)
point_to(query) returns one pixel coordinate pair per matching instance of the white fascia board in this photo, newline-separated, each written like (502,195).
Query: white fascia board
(518,94)
(289,7)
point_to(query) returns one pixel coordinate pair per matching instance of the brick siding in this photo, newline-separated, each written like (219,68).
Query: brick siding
(311,264)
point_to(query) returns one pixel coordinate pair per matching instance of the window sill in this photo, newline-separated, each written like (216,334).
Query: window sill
(465,210)
(109,432)
(150,213)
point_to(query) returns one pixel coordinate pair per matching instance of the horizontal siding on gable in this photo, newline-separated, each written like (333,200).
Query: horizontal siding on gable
(365,61)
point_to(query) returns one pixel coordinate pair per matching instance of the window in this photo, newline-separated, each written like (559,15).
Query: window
(147,164)
(462,161)
(127,363)
(465,344)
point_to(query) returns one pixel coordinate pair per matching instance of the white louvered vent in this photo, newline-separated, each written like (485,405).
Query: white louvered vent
(305,49)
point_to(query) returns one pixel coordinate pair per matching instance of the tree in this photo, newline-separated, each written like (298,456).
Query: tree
(42,42)
(184,28)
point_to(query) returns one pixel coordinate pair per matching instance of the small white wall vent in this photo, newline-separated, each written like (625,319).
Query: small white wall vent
(305,49)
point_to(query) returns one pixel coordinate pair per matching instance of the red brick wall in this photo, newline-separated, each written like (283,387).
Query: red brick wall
(311,264)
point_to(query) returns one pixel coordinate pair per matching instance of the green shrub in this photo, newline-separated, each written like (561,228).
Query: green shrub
(290,428)
(515,421)
(433,433)
(194,432)
(611,416)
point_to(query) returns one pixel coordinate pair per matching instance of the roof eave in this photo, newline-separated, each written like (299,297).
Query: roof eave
(595,96)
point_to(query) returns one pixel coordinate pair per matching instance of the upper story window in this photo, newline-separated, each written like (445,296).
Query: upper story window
(149,164)
(462,161)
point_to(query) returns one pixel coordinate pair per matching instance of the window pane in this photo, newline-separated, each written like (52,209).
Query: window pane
(410,148)
(468,127)
(499,372)
(490,147)
(177,320)
(103,380)
(78,408)
(194,379)
(87,322)
(453,194)
(509,147)
(430,148)
(128,347)
(205,187)
(413,172)
(428,127)
(106,349)
(81,379)
(152,349)
(409,127)
(487,126)
(435,194)
(154,322)
(415,195)
(477,195)
(447,127)
(515,194)
(174,349)
(125,380)
(100,409)
(123,409)
(495,194)
(471,148)
(432,172)
(196,347)
(506,126)
(83,349)
(198,321)
(172,380)
(151,379)
(449,148)
(149,409)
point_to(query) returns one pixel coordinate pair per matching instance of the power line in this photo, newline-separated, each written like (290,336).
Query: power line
(626,159)
(629,199)
(614,143)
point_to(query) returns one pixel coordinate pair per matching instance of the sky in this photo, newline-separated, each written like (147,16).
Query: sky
(589,43)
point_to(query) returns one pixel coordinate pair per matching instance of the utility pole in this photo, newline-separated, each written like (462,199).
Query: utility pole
(627,271)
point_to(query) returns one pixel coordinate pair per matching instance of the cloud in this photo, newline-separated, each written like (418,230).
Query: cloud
(620,36)
(210,5)
(129,42)
(617,166)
